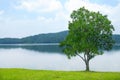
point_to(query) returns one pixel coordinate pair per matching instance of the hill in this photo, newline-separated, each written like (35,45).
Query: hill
(40,38)
(44,38)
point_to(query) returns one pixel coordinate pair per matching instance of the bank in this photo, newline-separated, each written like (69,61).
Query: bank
(25,74)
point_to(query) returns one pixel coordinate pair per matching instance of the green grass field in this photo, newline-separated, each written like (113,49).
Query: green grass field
(24,74)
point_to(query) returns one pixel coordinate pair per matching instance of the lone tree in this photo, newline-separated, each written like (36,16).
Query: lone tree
(89,34)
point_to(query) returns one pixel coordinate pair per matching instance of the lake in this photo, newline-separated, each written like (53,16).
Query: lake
(51,57)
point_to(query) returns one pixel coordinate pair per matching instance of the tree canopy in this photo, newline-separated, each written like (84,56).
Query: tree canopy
(89,33)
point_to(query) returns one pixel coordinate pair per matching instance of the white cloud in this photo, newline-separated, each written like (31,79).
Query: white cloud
(27,27)
(1,12)
(115,17)
(40,5)
(58,21)
(71,5)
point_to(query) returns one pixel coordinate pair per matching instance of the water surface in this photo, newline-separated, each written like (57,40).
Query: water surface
(50,57)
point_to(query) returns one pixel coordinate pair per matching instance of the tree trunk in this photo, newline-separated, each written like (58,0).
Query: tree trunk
(87,58)
(87,65)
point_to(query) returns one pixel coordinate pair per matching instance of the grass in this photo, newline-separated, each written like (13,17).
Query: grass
(24,74)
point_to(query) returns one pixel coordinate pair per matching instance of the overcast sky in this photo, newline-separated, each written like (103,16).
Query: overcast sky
(20,18)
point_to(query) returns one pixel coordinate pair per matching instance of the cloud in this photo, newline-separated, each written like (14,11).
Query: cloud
(1,12)
(27,27)
(39,5)
(115,17)
(71,5)
(49,16)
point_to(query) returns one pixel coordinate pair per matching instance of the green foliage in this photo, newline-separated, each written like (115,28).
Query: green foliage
(89,33)
(22,74)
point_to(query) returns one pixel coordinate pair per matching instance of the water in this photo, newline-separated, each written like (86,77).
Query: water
(50,57)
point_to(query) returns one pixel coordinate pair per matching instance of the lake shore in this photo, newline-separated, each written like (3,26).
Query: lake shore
(26,74)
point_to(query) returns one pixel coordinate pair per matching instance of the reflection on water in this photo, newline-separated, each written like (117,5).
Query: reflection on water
(50,57)
(50,48)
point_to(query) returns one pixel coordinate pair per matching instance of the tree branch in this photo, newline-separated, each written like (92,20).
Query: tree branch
(85,57)
(80,56)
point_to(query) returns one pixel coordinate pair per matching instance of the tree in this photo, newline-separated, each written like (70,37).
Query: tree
(89,34)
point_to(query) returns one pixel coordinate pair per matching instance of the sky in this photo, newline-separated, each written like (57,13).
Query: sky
(20,18)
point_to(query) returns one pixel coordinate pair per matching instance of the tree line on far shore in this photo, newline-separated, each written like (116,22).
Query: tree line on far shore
(44,38)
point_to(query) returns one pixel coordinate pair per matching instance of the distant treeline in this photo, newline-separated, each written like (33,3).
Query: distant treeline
(40,38)
(44,38)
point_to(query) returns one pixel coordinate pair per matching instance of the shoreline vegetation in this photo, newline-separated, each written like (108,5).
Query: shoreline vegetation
(27,74)
(44,38)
